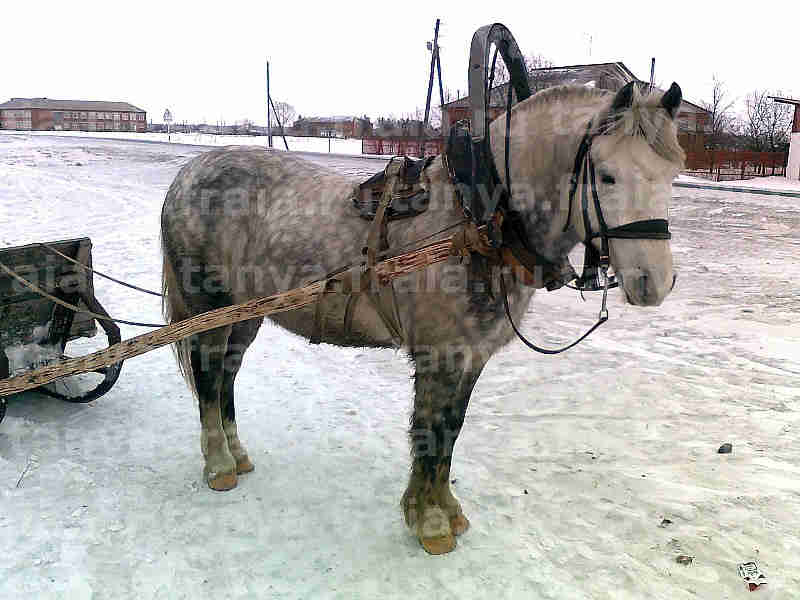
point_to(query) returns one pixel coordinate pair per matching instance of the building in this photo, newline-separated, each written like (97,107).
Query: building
(338,127)
(45,114)
(693,120)
(793,165)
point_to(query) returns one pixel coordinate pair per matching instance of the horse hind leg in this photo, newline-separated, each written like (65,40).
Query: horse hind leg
(442,385)
(207,355)
(242,335)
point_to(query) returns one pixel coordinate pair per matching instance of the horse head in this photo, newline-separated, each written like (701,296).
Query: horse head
(632,156)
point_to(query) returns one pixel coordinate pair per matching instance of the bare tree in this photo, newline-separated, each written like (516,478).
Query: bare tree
(283,114)
(720,109)
(766,124)
(533,62)
(536,78)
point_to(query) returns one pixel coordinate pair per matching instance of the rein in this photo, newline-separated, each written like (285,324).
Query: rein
(583,163)
(481,170)
(596,264)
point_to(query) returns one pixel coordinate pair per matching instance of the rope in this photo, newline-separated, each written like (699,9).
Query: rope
(71,307)
(96,272)
(388,254)
(386,271)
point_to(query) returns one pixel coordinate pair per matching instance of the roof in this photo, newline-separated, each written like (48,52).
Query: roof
(785,100)
(577,74)
(334,119)
(610,75)
(588,74)
(50,104)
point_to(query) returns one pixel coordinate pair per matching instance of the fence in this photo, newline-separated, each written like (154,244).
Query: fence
(401,146)
(719,165)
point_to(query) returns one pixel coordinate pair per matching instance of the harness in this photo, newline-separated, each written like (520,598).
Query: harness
(471,164)
(492,227)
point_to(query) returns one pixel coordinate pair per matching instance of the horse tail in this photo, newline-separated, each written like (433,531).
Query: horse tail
(175,308)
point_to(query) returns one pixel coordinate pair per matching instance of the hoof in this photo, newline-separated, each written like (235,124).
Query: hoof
(244,465)
(459,524)
(438,545)
(222,482)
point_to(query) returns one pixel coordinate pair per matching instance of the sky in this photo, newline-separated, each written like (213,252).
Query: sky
(207,61)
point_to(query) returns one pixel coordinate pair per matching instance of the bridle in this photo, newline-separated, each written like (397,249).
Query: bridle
(596,264)
(484,172)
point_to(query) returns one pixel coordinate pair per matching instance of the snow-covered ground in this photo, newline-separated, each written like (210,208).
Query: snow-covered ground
(567,465)
(773,182)
(296,144)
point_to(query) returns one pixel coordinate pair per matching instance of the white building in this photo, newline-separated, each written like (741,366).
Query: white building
(793,165)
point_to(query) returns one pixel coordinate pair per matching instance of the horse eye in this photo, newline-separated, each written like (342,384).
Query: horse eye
(606,178)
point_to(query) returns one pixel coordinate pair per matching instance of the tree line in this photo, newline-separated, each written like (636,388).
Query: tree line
(760,124)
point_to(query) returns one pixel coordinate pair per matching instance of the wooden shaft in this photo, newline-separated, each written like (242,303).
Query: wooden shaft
(352,281)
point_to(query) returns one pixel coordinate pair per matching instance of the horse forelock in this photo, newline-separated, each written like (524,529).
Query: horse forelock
(646,118)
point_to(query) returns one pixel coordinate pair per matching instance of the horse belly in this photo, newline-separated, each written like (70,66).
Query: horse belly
(341,320)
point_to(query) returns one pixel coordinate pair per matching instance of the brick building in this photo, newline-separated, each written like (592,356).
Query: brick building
(339,127)
(45,114)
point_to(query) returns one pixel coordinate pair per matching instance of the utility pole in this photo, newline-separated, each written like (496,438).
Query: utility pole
(269,115)
(652,72)
(434,62)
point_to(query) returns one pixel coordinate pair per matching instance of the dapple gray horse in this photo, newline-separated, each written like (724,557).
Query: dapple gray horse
(239,223)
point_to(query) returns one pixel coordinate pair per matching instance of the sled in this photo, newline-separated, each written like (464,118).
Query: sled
(34,330)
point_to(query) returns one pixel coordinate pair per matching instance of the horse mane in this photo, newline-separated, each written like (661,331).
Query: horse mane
(645,118)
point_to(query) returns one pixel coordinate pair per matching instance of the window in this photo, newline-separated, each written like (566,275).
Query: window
(125,116)
(116,116)
(83,116)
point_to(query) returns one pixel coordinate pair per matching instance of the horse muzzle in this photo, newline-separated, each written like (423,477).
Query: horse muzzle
(646,288)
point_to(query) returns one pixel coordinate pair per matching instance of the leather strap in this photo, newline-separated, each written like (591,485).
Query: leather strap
(382,296)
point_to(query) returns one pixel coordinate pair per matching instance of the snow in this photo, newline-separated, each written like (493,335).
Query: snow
(296,144)
(34,354)
(566,465)
(772,182)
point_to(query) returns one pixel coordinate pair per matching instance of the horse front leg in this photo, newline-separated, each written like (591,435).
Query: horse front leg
(443,382)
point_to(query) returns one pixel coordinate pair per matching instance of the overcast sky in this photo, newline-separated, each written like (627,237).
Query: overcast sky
(206,61)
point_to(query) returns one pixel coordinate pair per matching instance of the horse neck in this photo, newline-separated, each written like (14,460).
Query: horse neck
(544,142)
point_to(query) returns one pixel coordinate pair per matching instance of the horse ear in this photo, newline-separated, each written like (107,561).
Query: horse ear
(624,98)
(671,100)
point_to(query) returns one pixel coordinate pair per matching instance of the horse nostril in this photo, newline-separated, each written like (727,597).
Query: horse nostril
(643,284)
(674,279)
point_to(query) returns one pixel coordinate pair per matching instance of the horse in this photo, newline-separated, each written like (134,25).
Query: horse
(242,222)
